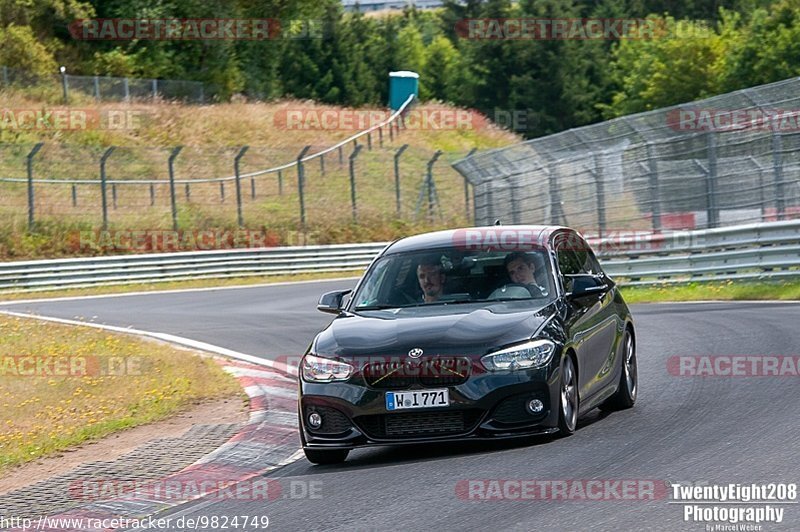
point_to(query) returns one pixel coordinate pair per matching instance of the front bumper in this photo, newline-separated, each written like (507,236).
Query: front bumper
(489,406)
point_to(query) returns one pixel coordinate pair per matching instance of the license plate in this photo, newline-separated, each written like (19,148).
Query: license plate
(417,399)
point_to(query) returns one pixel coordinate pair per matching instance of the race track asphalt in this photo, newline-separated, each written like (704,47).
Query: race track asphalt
(698,430)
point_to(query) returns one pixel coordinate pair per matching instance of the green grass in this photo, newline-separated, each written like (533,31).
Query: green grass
(44,414)
(720,291)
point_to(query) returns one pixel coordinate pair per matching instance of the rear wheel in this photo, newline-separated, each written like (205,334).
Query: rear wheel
(568,403)
(625,396)
(324,457)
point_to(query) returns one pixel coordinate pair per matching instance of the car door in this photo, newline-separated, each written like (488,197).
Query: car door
(593,322)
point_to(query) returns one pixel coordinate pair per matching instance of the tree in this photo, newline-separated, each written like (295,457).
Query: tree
(442,64)
(20,49)
(668,69)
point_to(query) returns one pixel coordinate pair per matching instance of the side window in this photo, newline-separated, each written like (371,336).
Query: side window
(586,259)
(568,262)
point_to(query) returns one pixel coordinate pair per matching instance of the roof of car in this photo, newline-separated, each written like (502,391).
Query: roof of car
(476,236)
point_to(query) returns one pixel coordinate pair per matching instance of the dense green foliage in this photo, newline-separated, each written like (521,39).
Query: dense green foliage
(702,48)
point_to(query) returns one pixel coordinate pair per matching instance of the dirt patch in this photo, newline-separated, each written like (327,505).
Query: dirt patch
(212,412)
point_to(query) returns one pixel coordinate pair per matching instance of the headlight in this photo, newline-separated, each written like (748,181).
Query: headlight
(533,354)
(318,369)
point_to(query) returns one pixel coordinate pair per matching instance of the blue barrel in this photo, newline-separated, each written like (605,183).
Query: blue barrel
(402,84)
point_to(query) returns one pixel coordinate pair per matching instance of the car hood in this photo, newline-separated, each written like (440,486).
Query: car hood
(437,330)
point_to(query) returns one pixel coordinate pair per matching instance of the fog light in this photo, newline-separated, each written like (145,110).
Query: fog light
(314,420)
(534,406)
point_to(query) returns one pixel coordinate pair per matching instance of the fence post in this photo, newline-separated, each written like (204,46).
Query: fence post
(152,194)
(5,76)
(369,141)
(74,195)
(341,156)
(762,200)
(114,196)
(187,192)
(711,181)
(380,137)
(777,166)
(280,182)
(30,157)
(239,217)
(97,88)
(322,164)
(655,190)
(466,186)
(556,213)
(155,88)
(391,131)
(397,155)
(431,187)
(103,196)
(301,178)
(64,85)
(173,203)
(600,189)
(127,89)
(353,181)
(222,191)
(252,188)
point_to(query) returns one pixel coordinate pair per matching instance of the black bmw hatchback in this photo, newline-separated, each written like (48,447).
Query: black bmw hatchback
(480,333)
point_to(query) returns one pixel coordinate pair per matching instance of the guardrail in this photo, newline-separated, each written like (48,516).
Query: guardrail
(161,267)
(754,251)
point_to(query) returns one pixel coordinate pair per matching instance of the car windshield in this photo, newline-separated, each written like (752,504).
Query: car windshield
(453,276)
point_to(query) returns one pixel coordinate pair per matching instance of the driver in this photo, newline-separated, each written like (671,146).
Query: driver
(431,280)
(521,268)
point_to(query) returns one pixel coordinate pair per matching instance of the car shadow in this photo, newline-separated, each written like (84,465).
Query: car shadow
(400,454)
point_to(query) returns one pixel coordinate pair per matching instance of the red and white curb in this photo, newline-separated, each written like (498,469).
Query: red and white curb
(267,441)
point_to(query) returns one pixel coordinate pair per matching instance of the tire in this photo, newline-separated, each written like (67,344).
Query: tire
(333,456)
(625,396)
(568,402)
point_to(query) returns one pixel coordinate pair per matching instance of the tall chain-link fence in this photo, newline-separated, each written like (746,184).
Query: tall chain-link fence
(726,160)
(75,89)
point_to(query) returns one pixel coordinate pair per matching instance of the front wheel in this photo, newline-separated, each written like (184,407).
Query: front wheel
(325,457)
(625,396)
(568,403)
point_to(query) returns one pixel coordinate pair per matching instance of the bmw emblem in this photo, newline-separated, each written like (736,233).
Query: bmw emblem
(415,353)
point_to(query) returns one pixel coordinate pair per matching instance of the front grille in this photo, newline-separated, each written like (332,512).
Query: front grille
(512,409)
(389,375)
(416,424)
(434,371)
(333,421)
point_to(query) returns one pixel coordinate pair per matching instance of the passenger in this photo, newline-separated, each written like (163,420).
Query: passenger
(521,268)
(431,280)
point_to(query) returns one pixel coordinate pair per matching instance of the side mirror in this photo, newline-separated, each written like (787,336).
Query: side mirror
(332,301)
(587,285)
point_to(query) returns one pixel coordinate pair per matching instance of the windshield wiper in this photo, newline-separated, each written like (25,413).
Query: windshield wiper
(376,307)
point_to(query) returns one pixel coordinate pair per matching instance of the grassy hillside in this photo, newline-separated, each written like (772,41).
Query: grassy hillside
(211,135)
